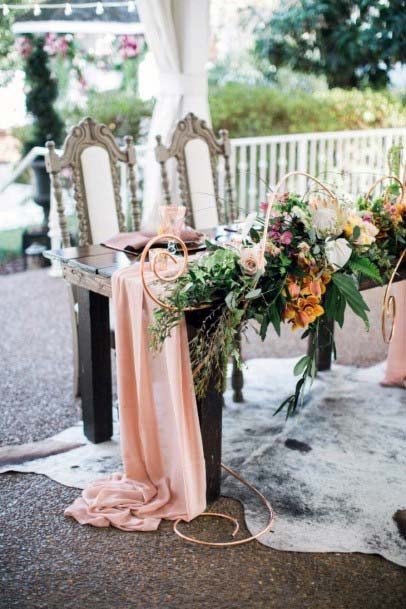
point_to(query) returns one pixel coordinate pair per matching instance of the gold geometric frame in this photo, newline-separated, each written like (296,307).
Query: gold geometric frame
(389,300)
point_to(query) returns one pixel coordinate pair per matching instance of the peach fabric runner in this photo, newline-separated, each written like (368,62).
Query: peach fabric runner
(396,365)
(164,470)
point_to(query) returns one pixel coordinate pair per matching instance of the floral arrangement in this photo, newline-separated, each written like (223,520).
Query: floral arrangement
(305,271)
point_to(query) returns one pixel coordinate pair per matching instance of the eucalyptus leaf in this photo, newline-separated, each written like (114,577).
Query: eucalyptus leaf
(253,294)
(301,365)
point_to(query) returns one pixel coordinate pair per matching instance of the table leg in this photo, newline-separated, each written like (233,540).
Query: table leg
(325,345)
(210,417)
(210,410)
(95,365)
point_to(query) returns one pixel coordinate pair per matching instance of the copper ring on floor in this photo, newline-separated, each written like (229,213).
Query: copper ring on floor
(222,544)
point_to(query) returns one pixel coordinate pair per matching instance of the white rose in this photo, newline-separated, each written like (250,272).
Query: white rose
(338,253)
(251,260)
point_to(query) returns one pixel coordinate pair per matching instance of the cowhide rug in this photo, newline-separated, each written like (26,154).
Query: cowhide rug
(335,474)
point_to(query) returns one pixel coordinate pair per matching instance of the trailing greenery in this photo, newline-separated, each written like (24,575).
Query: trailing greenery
(255,111)
(353,43)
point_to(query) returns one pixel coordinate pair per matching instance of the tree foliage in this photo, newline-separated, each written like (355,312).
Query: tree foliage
(8,60)
(353,43)
(41,97)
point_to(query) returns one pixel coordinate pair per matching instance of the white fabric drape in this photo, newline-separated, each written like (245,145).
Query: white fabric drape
(177,32)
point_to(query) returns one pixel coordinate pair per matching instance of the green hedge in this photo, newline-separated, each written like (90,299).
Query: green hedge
(124,114)
(247,111)
(254,110)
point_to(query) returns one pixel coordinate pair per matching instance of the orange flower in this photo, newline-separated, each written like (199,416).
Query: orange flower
(312,287)
(326,277)
(302,312)
(396,210)
(293,289)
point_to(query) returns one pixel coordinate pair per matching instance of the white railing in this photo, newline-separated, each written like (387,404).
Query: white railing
(349,160)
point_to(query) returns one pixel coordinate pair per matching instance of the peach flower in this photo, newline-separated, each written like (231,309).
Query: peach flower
(251,260)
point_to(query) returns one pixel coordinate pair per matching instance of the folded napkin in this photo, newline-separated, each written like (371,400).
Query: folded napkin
(164,469)
(137,240)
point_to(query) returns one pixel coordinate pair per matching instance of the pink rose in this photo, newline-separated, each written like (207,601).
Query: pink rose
(367,217)
(24,47)
(286,238)
(129,47)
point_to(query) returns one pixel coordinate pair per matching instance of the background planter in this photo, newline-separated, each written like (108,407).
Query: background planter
(42,188)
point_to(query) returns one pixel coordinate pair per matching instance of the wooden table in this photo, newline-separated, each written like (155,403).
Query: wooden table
(90,269)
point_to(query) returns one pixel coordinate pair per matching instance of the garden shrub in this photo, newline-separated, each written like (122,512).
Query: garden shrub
(247,111)
(123,113)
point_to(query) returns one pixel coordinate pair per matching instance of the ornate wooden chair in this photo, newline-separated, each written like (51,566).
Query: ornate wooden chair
(196,151)
(91,153)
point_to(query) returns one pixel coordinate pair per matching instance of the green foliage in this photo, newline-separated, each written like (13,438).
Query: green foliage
(123,113)
(353,43)
(10,244)
(365,268)
(41,97)
(254,111)
(349,292)
(9,60)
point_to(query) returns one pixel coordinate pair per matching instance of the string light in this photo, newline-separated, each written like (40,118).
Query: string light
(67,7)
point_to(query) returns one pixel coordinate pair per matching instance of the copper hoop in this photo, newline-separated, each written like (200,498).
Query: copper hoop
(272,198)
(389,305)
(222,544)
(382,179)
(165,254)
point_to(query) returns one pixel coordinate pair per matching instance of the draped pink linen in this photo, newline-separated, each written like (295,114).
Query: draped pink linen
(164,470)
(396,364)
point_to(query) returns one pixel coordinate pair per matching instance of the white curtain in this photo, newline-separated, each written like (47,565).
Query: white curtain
(177,32)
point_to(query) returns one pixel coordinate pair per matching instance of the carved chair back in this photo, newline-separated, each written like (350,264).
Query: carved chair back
(92,154)
(196,152)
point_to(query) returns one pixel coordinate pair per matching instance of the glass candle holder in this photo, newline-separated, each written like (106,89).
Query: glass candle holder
(172,220)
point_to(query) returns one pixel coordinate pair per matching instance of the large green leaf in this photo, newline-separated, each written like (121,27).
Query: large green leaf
(365,267)
(301,365)
(350,292)
(335,304)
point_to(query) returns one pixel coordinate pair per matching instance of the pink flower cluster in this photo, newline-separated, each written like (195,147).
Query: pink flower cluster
(129,47)
(278,235)
(56,45)
(24,47)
